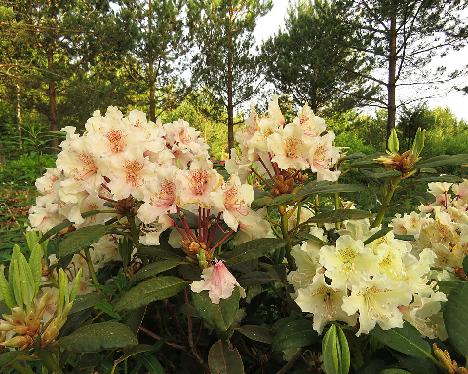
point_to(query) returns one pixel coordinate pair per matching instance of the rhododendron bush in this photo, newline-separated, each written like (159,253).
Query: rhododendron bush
(144,255)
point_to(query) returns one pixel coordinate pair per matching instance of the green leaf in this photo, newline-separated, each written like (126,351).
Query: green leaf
(223,359)
(382,232)
(155,268)
(393,144)
(418,142)
(8,358)
(465,264)
(35,264)
(456,319)
(260,334)
(335,350)
(6,290)
(133,351)
(406,340)
(443,160)
(159,251)
(394,371)
(81,239)
(151,363)
(107,308)
(98,337)
(252,250)
(83,302)
(339,215)
(221,315)
(293,333)
(55,230)
(150,290)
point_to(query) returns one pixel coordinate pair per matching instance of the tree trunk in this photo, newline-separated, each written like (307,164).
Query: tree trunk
(229,78)
(19,119)
(392,62)
(52,93)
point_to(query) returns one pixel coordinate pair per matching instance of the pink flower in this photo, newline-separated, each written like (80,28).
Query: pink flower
(218,281)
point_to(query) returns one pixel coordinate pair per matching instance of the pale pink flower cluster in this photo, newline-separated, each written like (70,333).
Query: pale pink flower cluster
(302,144)
(441,226)
(156,168)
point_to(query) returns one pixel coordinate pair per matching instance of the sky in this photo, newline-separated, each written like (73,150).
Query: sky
(269,24)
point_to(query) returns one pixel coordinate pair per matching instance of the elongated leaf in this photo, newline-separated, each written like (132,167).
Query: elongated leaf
(325,187)
(155,268)
(6,290)
(81,239)
(35,264)
(465,265)
(394,371)
(55,230)
(83,302)
(293,333)
(443,160)
(223,359)
(150,290)
(339,215)
(382,232)
(456,318)
(252,250)
(336,357)
(221,315)
(258,333)
(406,340)
(99,336)
(151,363)
(8,358)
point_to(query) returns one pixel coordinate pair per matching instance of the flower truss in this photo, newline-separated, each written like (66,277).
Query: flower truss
(279,152)
(441,226)
(382,282)
(149,177)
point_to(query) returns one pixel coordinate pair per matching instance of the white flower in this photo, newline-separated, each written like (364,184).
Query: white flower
(438,188)
(324,302)
(409,224)
(348,262)
(233,199)
(377,301)
(197,183)
(218,281)
(159,195)
(312,124)
(322,156)
(306,257)
(253,226)
(289,147)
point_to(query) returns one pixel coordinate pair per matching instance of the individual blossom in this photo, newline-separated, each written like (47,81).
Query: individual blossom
(377,301)
(312,124)
(150,233)
(197,183)
(289,147)
(324,302)
(348,262)
(233,200)
(218,281)
(322,156)
(159,195)
(408,224)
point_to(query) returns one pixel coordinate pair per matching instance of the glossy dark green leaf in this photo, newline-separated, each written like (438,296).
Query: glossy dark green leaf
(150,290)
(154,269)
(443,160)
(81,239)
(87,301)
(96,337)
(456,318)
(258,333)
(293,333)
(221,315)
(223,359)
(406,340)
(252,250)
(340,215)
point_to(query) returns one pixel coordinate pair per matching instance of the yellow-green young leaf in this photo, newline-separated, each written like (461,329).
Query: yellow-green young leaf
(418,142)
(28,284)
(393,145)
(14,276)
(7,292)
(75,285)
(335,350)
(63,290)
(35,264)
